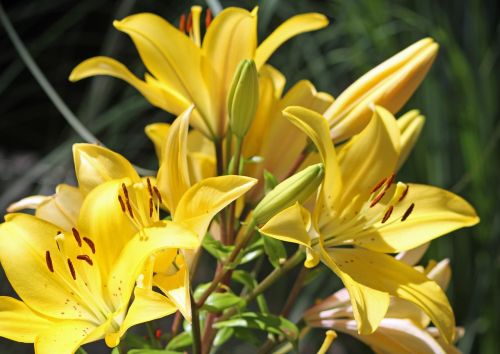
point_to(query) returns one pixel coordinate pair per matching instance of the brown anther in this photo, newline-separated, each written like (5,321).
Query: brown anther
(157,192)
(125,191)
(122,204)
(86,258)
(387,214)
(208,18)
(48,260)
(90,243)
(405,192)
(150,189)
(189,23)
(129,208)
(150,207)
(389,182)
(378,185)
(71,269)
(76,234)
(408,212)
(182,23)
(377,199)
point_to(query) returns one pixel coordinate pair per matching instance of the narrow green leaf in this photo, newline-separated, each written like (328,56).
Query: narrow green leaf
(180,341)
(223,336)
(216,248)
(269,181)
(217,302)
(275,251)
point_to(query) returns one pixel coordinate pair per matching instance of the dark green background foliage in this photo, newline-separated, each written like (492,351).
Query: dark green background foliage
(458,149)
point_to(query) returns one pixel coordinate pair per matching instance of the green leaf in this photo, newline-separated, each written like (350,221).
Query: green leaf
(269,181)
(180,341)
(115,351)
(200,289)
(250,283)
(275,251)
(247,335)
(223,336)
(152,351)
(264,322)
(216,248)
(81,351)
(218,302)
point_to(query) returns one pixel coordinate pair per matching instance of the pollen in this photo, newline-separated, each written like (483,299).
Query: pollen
(125,191)
(86,258)
(377,199)
(389,182)
(48,260)
(208,18)
(122,204)
(189,23)
(150,189)
(378,185)
(157,192)
(71,269)
(408,212)
(76,234)
(150,207)
(182,23)
(387,214)
(90,243)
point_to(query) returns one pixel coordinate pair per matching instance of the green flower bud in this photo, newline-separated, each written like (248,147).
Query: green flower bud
(243,97)
(297,188)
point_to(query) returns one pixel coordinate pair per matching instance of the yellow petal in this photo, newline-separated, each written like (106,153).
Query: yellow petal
(157,133)
(18,322)
(369,305)
(102,219)
(31,202)
(390,85)
(62,208)
(157,95)
(24,243)
(436,212)
(95,165)
(173,174)
(384,273)
(205,199)
(290,28)
(410,126)
(201,166)
(163,235)
(176,287)
(63,337)
(147,306)
(230,38)
(316,128)
(290,225)
(370,156)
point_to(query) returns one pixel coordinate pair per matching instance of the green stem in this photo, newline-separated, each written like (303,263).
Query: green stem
(232,208)
(195,327)
(297,286)
(219,276)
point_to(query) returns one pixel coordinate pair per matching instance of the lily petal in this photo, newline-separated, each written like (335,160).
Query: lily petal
(18,322)
(31,202)
(290,28)
(410,125)
(63,337)
(157,133)
(62,208)
(205,199)
(157,95)
(398,279)
(95,165)
(436,212)
(173,174)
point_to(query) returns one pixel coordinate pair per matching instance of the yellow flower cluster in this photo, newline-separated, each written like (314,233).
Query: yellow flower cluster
(117,250)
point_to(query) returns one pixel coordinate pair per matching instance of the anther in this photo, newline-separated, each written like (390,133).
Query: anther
(129,208)
(125,191)
(72,269)
(378,185)
(157,192)
(122,204)
(387,214)
(403,195)
(389,182)
(86,258)
(182,23)
(76,234)
(90,243)
(150,207)
(48,260)
(150,190)
(208,18)
(408,212)
(377,199)
(189,23)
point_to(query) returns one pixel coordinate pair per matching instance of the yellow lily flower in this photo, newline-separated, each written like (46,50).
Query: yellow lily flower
(184,69)
(404,330)
(74,289)
(361,216)
(390,84)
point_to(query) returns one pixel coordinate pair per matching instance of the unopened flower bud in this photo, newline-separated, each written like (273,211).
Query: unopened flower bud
(390,85)
(297,188)
(243,97)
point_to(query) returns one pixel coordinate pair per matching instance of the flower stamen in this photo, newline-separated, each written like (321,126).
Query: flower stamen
(408,212)
(48,260)
(76,234)
(387,214)
(90,243)
(86,258)
(72,269)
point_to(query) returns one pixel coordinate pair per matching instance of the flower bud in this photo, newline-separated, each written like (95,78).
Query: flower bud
(390,85)
(297,188)
(243,97)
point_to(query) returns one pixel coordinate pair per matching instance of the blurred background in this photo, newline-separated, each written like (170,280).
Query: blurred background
(458,150)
